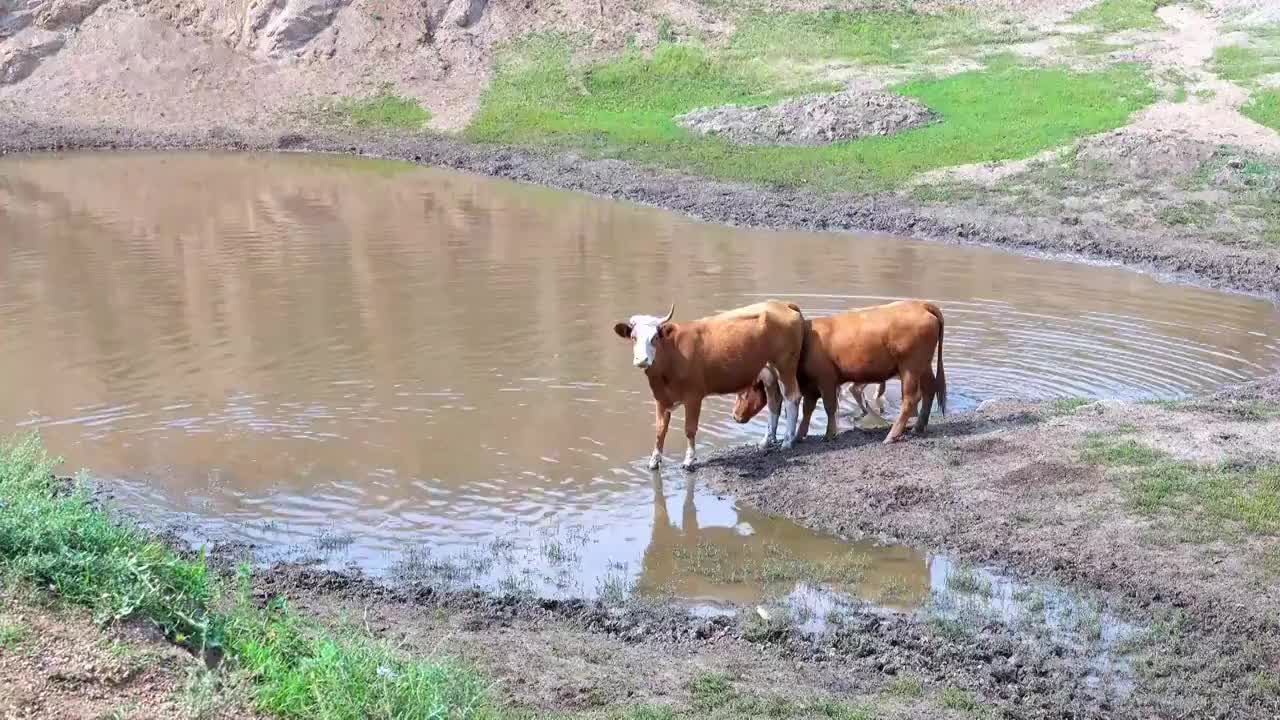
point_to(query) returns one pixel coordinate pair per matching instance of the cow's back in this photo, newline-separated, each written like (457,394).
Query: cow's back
(868,345)
(730,349)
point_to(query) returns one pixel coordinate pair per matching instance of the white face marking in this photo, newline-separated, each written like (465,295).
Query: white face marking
(644,335)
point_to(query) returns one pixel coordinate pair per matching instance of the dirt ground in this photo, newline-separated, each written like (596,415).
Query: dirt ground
(56,663)
(1012,485)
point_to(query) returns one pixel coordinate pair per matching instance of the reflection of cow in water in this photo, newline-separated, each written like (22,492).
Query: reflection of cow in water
(695,562)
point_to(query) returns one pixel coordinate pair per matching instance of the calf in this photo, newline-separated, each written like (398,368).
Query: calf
(718,355)
(865,346)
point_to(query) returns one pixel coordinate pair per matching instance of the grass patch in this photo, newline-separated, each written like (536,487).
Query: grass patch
(1264,108)
(871,37)
(385,109)
(11,634)
(53,538)
(906,686)
(962,700)
(968,582)
(624,108)
(1216,501)
(1120,15)
(1244,64)
(1196,214)
(771,564)
(1103,449)
(1067,406)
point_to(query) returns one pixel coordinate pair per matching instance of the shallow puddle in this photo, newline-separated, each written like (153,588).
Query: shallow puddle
(355,360)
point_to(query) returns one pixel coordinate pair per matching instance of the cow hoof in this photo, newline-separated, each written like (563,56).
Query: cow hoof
(655,462)
(891,440)
(828,438)
(788,444)
(689,465)
(766,443)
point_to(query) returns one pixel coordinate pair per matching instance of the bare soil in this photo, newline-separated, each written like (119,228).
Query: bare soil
(1010,485)
(56,663)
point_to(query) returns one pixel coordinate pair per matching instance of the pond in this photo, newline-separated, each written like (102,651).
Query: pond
(414,370)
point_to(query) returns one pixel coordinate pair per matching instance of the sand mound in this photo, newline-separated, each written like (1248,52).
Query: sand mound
(811,120)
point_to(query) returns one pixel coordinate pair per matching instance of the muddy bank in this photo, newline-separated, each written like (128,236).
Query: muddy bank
(1169,510)
(1183,257)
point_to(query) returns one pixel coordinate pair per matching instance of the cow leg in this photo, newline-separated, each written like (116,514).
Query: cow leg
(663,422)
(880,401)
(692,409)
(774,397)
(928,389)
(856,390)
(810,401)
(831,403)
(791,391)
(910,396)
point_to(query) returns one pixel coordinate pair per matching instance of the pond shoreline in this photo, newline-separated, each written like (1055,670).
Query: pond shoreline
(1179,259)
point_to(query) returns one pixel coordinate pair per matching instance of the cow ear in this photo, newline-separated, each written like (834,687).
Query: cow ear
(665,330)
(623,330)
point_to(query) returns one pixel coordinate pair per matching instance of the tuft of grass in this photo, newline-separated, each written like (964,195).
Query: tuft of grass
(625,108)
(54,539)
(879,37)
(1103,449)
(300,671)
(11,634)
(1264,108)
(1110,16)
(712,691)
(384,109)
(969,582)
(907,686)
(1067,406)
(1196,213)
(962,700)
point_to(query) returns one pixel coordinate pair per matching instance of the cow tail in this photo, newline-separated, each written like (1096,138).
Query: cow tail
(942,373)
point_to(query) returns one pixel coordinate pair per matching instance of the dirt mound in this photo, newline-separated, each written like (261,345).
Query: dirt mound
(811,120)
(1141,154)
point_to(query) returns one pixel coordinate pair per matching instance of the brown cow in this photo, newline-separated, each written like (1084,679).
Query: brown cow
(717,355)
(865,346)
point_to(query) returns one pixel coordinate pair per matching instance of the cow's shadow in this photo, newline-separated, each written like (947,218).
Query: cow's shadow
(750,461)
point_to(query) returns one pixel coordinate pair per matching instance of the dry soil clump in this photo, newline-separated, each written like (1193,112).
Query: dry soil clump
(811,120)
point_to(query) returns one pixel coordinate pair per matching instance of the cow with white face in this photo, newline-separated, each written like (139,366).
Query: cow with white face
(718,355)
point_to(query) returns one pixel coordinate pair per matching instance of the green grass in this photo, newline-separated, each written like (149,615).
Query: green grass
(1264,108)
(625,108)
(1196,213)
(52,538)
(1120,15)
(11,634)
(962,700)
(1104,449)
(968,582)
(1067,406)
(385,109)
(906,686)
(1219,501)
(871,37)
(1243,64)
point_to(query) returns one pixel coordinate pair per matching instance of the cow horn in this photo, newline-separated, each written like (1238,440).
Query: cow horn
(670,314)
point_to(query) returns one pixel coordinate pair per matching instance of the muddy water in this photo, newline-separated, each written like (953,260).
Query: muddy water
(414,370)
